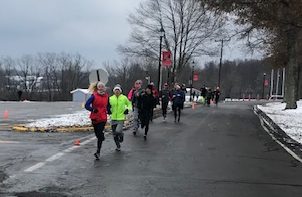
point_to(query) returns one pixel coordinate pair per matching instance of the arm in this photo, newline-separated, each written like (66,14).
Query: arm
(88,103)
(109,107)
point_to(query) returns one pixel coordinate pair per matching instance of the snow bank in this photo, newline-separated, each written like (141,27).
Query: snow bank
(290,121)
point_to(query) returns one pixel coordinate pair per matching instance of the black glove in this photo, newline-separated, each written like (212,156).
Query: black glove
(95,110)
(126,111)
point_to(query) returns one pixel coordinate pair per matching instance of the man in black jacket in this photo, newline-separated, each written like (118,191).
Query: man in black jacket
(145,104)
(164,95)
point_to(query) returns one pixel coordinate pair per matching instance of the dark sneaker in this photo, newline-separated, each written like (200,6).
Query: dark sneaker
(178,119)
(97,156)
(118,149)
(145,137)
(134,133)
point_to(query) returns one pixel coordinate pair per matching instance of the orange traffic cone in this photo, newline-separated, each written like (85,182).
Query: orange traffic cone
(77,142)
(5,114)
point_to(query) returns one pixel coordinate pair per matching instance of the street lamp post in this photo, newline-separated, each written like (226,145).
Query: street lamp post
(263,84)
(191,88)
(162,33)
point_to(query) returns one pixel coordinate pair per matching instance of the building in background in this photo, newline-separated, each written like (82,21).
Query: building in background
(80,95)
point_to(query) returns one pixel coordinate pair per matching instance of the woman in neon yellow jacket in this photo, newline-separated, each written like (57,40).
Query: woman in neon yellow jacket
(118,108)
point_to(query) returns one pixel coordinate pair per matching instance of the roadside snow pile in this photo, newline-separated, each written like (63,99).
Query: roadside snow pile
(290,121)
(80,118)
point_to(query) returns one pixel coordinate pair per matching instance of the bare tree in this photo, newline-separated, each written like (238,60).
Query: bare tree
(189,27)
(282,20)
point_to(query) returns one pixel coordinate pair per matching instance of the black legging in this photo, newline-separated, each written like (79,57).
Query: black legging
(98,130)
(164,108)
(177,108)
(145,120)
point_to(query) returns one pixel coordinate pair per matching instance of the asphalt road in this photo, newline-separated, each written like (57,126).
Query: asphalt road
(215,152)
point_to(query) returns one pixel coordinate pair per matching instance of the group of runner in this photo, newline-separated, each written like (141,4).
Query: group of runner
(141,101)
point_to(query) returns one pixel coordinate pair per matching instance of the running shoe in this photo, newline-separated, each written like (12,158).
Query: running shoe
(97,156)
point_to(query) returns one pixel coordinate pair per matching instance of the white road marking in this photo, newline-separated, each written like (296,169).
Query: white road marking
(57,156)
(8,142)
(294,155)
(35,167)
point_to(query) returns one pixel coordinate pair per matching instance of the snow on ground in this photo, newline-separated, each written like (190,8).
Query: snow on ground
(79,118)
(290,121)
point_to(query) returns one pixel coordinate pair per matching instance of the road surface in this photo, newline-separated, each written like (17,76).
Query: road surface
(212,152)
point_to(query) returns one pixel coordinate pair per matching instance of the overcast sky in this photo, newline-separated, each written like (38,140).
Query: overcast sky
(92,28)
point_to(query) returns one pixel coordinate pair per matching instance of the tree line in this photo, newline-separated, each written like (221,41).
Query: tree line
(45,76)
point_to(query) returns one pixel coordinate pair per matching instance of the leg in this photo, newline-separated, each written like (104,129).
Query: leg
(135,120)
(164,107)
(119,131)
(98,130)
(179,111)
(119,136)
(114,133)
(147,121)
(151,115)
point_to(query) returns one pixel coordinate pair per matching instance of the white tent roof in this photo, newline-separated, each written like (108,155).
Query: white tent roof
(85,91)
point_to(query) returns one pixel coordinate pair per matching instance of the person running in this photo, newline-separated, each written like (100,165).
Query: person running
(217,95)
(134,95)
(165,98)
(203,94)
(97,105)
(178,100)
(156,96)
(209,97)
(146,103)
(118,107)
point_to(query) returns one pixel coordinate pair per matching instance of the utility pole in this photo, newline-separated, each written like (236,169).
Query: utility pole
(220,63)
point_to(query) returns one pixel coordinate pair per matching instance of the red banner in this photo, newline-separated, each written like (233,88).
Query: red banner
(195,77)
(166,61)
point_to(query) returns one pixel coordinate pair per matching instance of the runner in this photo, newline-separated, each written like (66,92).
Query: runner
(146,103)
(134,94)
(178,100)
(97,104)
(118,108)
(165,98)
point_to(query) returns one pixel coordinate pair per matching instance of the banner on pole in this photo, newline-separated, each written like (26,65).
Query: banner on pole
(195,76)
(166,61)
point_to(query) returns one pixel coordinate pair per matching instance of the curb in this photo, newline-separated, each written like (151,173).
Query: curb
(290,145)
(128,124)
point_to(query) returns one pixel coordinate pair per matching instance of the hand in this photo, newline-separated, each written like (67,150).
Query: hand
(126,111)
(95,110)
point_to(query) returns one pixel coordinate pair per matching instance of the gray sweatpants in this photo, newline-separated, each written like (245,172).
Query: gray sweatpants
(117,131)
(135,119)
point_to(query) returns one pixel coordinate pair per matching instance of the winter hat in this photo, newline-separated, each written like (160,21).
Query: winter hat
(117,87)
(100,84)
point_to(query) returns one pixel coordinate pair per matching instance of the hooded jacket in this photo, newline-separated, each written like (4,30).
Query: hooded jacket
(117,107)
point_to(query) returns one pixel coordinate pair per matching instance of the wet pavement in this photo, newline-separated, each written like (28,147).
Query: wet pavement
(220,151)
